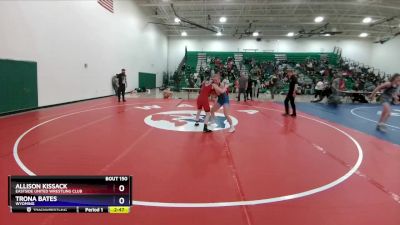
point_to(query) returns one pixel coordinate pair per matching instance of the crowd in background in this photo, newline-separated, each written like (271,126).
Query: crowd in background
(316,77)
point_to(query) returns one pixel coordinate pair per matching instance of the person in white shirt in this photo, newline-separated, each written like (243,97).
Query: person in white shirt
(319,88)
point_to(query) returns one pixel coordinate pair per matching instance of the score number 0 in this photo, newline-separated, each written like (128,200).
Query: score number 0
(121,200)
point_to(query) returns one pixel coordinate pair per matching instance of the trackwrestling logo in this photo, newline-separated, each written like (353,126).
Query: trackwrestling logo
(184,121)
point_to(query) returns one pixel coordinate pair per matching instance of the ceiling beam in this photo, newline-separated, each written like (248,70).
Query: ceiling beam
(290,15)
(280,32)
(394,6)
(297,23)
(349,36)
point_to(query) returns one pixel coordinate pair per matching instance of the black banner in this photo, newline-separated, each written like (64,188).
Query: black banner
(59,194)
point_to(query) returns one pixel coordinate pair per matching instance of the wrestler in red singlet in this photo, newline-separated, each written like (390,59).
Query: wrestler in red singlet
(202,103)
(202,99)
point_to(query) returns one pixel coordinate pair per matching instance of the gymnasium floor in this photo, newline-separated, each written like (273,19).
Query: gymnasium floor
(325,167)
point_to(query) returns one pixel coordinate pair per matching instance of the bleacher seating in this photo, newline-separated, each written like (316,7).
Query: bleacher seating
(196,57)
(202,59)
(249,63)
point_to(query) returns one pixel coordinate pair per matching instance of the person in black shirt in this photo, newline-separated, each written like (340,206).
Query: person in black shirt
(291,94)
(243,82)
(249,90)
(121,85)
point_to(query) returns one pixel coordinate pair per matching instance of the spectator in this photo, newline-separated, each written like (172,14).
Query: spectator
(334,98)
(114,81)
(122,85)
(273,83)
(243,82)
(167,93)
(326,92)
(319,88)
(249,90)
(256,90)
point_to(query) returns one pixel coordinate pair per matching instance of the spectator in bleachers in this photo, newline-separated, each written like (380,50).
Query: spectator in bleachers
(191,81)
(357,97)
(271,73)
(218,63)
(198,81)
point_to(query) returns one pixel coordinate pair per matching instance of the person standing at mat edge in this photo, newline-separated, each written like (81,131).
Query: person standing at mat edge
(291,95)
(121,85)
(388,96)
(243,82)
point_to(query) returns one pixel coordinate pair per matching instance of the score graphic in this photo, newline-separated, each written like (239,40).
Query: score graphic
(78,194)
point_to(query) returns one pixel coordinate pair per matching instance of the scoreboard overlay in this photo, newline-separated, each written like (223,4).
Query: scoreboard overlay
(70,194)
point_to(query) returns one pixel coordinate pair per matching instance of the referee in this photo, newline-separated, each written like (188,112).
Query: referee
(291,95)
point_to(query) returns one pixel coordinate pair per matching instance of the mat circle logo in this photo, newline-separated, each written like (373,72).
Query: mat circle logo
(184,120)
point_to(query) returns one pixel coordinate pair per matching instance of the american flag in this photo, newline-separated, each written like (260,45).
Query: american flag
(107,4)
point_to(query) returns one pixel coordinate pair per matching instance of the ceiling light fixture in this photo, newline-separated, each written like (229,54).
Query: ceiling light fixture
(184,34)
(367,20)
(219,33)
(177,20)
(255,34)
(290,34)
(319,19)
(363,35)
(222,19)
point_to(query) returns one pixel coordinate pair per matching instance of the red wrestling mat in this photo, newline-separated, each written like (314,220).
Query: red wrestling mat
(272,170)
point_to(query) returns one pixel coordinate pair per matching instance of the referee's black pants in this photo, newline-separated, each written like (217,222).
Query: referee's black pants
(121,91)
(290,98)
